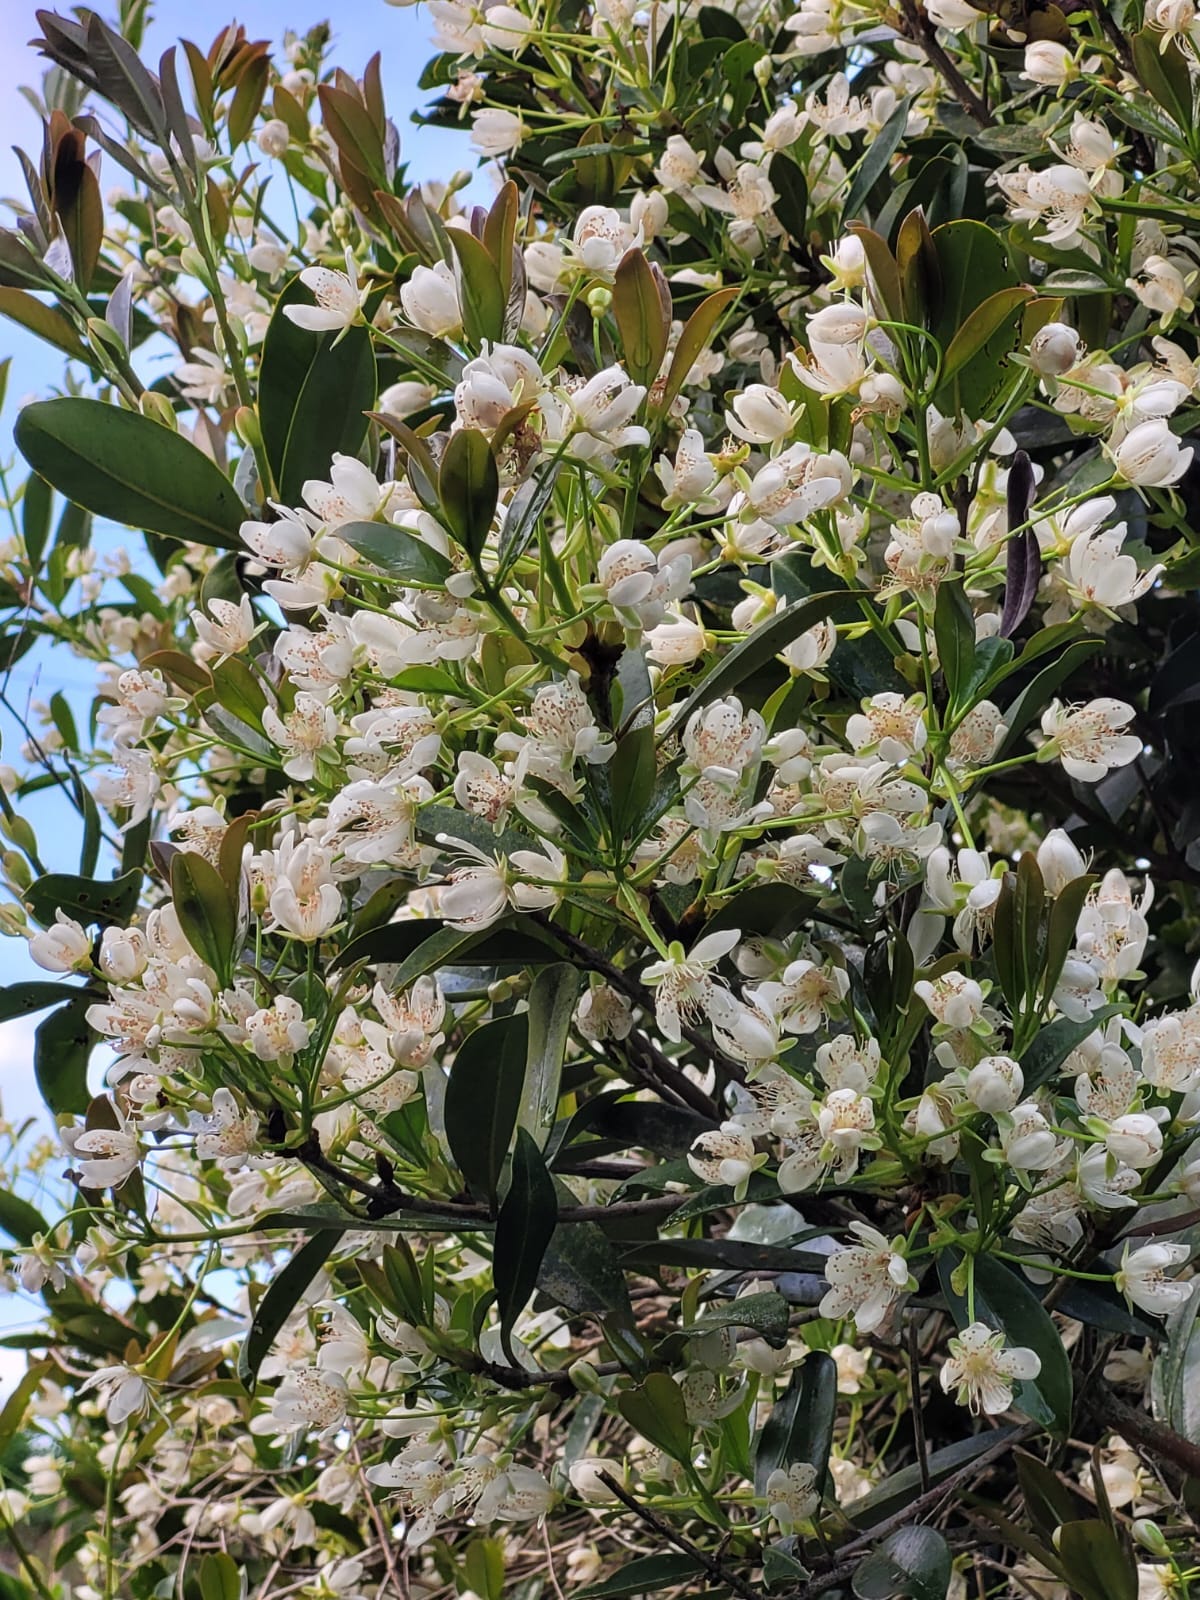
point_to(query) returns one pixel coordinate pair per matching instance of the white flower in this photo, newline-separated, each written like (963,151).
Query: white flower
(1088,739)
(312,1398)
(104,1157)
(1059,861)
(981,1370)
(1027,1139)
(227,1135)
(725,1155)
(760,415)
(123,1393)
(1150,455)
(1142,1278)
(430,301)
(954,999)
(865,1279)
(792,1495)
(684,984)
(339,299)
(63,947)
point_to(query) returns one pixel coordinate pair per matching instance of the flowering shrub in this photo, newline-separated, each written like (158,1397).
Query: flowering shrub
(639,848)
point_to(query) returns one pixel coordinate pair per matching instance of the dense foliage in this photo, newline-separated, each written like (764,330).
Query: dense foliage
(637,897)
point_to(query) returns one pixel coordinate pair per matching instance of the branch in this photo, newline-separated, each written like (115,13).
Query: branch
(1143,1430)
(716,1569)
(851,1554)
(923,32)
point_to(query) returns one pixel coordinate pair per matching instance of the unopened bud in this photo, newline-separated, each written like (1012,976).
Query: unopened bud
(159,409)
(599,299)
(1150,1536)
(17,869)
(584,1377)
(1054,349)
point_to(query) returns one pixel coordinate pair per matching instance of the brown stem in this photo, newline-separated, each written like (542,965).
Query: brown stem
(715,1569)
(923,32)
(851,1554)
(1139,1429)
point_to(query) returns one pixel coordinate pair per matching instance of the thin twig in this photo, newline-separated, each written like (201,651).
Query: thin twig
(1139,1429)
(922,32)
(715,1569)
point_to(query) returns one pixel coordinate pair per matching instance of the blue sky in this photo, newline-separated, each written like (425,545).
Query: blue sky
(361,28)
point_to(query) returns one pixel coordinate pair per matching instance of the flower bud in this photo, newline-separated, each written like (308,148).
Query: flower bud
(995,1084)
(587,1482)
(1054,349)
(272,138)
(1150,1536)
(1059,861)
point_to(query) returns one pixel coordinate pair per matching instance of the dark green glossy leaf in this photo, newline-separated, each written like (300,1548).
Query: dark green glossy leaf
(20,1220)
(656,1410)
(283,1294)
(62,1046)
(121,465)
(800,1426)
(524,1228)
(86,899)
(912,1561)
(1098,1564)
(468,488)
(552,997)
(763,645)
(954,631)
(483,1097)
(26,999)
(396,552)
(206,911)
(874,163)
(313,396)
(766,1313)
(643,1575)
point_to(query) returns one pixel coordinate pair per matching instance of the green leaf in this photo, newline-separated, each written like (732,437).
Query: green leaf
(20,1220)
(1048,1500)
(206,911)
(483,1097)
(62,1046)
(642,307)
(45,322)
(656,1410)
(283,1295)
(37,502)
(219,1576)
(480,292)
(873,165)
(524,510)
(1163,69)
(121,465)
(1004,1301)
(693,341)
(524,1227)
(12,1416)
(885,275)
(26,999)
(396,551)
(1177,1372)
(912,1561)
(1060,929)
(1054,1044)
(468,488)
(763,645)
(552,998)
(313,395)
(422,946)
(86,899)
(899,1488)
(976,334)
(1098,1565)
(954,631)
(644,1575)
(766,1313)
(791,196)
(580,1271)
(800,1426)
